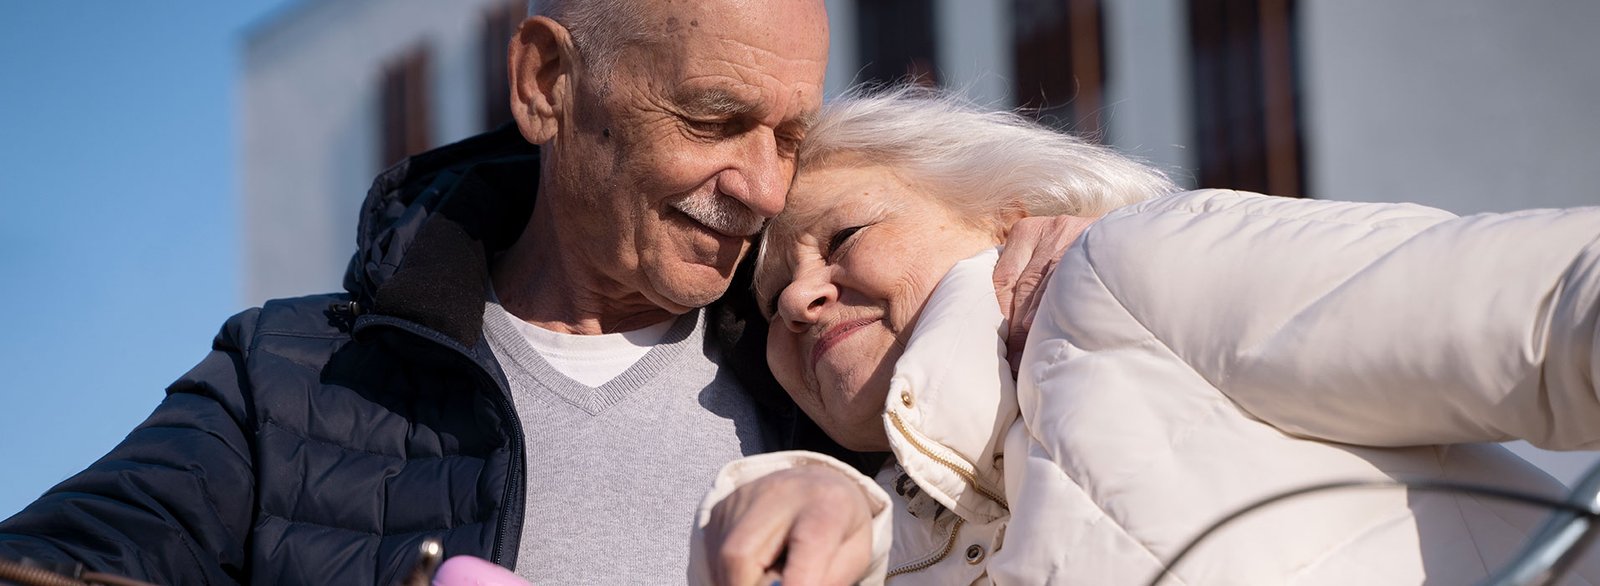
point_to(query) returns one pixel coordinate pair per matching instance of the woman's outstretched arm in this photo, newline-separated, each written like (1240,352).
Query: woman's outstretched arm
(1382,325)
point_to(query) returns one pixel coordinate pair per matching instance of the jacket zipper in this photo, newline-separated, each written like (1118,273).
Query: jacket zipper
(925,563)
(514,479)
(961,468)
(503,401)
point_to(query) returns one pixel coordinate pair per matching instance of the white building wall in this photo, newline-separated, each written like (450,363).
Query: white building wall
(974,46)
(1468,105)
(1148,106)
(309,125)
(844,55)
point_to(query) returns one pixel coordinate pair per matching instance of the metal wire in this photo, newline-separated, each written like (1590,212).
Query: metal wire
(1416,485)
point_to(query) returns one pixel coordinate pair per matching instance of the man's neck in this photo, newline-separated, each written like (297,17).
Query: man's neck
(561,292)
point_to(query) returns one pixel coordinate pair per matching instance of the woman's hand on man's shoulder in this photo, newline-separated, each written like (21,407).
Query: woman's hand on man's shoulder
(1033,247)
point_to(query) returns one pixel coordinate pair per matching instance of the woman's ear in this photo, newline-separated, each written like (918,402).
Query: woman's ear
(540,64)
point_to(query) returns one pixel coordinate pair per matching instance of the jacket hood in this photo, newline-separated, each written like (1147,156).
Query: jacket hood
(430,224)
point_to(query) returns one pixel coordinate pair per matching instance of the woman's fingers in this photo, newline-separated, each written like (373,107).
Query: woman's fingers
(827,546)
(852,560)
(748,554)
(1025,303)
(812,516)
(746,533)
(1013,261)
(1033,247)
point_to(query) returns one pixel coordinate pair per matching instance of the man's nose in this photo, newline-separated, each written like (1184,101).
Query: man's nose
(801,303)
(760,178)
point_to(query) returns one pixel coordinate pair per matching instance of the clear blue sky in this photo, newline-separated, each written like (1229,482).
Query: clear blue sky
(119,247)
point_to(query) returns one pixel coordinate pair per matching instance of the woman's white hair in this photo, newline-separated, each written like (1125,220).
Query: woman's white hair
(978,162)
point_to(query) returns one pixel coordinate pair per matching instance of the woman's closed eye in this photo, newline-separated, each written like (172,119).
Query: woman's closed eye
(837,244)
(839,241)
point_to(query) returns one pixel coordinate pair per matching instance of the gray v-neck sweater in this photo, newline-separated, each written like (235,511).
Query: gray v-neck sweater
(616,472)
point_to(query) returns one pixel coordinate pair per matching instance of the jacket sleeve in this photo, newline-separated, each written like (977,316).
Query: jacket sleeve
(1371,324)
(748,469)
(172,503)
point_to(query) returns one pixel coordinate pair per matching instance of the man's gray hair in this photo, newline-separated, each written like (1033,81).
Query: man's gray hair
(978,162)
(599,28)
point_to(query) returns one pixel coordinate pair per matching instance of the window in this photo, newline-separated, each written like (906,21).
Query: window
(1246,107)
(499,25)
(405,109)
(1058,51)
(897,41)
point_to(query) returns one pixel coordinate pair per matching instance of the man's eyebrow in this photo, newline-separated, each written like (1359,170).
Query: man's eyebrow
(715,102)
(803,122)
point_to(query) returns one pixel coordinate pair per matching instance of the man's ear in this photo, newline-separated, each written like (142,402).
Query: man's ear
(540,64)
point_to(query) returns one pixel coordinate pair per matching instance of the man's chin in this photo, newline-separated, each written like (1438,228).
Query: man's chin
(690,286)
(699,248)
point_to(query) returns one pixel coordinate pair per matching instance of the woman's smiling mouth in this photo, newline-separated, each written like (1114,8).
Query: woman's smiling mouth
(836,334)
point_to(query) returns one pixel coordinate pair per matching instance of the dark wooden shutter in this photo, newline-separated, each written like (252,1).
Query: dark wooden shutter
(1246,103)
(898,41)
(406,111)
(499,25)
(1058,51)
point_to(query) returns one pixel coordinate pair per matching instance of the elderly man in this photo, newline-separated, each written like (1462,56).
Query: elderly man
(531,380)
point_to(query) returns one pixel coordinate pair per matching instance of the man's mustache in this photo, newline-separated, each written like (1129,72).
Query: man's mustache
(721,213)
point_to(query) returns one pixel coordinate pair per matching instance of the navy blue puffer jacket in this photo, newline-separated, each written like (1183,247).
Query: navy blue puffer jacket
(325,437)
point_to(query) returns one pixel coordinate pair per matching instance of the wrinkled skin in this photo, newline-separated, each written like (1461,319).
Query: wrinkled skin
(846,270)
(657,172)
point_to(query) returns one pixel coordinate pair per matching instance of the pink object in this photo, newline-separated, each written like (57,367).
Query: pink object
(465,570)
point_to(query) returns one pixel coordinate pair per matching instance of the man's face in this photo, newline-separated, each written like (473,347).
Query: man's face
(668,167)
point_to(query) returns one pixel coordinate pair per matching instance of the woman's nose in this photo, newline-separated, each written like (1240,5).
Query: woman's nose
(802,302)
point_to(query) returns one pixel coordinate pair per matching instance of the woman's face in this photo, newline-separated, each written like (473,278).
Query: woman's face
(845,270)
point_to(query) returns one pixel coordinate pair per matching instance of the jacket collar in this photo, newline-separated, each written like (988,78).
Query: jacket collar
(952,399)
(431,223)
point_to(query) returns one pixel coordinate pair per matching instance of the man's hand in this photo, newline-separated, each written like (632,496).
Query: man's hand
(815,517)
(1033,248)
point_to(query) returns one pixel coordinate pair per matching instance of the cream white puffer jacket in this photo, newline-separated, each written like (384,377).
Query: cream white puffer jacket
(1199,352)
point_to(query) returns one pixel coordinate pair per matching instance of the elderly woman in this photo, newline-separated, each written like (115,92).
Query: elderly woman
(1194,353)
